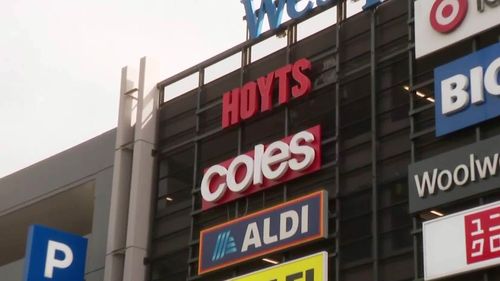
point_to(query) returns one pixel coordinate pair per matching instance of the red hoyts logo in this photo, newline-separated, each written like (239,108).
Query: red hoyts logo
(243,103)
(262,168)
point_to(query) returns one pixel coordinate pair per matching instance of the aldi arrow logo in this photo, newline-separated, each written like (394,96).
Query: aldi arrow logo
(225,245)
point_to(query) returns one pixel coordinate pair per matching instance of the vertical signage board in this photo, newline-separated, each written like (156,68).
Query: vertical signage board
(53,255)
(462,242)
(310,268)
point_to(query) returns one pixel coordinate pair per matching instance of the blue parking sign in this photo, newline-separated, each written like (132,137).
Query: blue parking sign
(53,255)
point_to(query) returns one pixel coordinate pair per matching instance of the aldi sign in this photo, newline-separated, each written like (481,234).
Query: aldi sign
(53,255)
(440,23)
(310,268)
(264,167)
(467,90)
(462,242)
(283,226)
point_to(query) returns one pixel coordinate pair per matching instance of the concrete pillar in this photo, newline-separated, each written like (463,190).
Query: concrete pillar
(122,169)
(132,190)
(141,186)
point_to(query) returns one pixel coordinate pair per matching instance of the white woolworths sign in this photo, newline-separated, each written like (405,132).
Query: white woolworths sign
(440,23)
(454,175)
(462,242)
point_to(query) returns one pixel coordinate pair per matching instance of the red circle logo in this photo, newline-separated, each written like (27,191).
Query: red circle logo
(447,15)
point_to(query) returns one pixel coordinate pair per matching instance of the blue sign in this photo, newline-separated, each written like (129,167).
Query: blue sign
(53,255)
(255,17)
(467,90)
(282,226)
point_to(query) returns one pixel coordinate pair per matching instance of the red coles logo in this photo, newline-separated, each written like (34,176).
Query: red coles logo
(243,103)
(447,15)
(262,168)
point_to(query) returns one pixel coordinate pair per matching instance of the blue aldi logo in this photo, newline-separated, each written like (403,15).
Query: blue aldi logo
(225,245)
(296,222)
(467,90)
(52,255)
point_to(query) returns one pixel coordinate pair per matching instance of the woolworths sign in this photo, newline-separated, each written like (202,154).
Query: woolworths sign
(455,175)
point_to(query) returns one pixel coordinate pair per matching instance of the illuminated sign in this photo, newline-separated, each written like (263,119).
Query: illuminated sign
(445,22)
(264,167)
(257,96)
(280,227)
(310,268)
(462,242)
(467,90)
(255,17)
(52,255)
(454,175)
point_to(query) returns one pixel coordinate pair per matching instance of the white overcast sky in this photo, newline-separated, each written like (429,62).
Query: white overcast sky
(60,63)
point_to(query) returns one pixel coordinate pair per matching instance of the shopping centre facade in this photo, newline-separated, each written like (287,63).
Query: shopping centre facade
(365,150)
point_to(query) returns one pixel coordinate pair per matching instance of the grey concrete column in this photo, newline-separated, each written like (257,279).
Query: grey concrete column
(120,194)
(141,186)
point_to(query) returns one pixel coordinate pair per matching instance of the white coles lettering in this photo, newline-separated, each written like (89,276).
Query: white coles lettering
(268,163)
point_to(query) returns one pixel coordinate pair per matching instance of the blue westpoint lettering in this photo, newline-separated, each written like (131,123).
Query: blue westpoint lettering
(274,13)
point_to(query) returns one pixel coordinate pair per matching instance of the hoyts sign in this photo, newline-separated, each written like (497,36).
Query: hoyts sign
(258,96)
(440,23)
(261,168)
(462,242)
(281,227)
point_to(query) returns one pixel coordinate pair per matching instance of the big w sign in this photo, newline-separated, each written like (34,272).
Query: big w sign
(255,15)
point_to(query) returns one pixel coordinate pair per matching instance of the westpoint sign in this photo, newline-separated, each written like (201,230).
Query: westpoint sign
(255,17)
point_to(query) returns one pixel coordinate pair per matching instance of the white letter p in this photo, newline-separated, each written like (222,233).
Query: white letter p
(51,262)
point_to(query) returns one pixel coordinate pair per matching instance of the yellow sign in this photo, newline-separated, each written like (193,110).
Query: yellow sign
(310,268)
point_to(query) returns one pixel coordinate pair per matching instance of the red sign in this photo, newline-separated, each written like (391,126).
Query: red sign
(262,168)
(243,103)
(447,15)
(482,235)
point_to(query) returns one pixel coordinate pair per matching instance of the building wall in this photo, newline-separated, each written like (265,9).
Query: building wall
(37,194)
(375,103)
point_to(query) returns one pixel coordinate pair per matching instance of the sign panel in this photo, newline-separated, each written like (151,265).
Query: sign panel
(274,12)
(467,90)
(462,242)
(283,226)
(461,173)
(258,96)
(53,255)
(264,167)
(440,23)
(310,268)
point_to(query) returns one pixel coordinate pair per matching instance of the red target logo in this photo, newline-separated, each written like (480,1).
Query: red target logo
(446,15)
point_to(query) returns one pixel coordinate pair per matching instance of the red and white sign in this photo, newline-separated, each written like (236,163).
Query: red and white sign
(462,242)
(257,96)
(447,15)
(440,23)
(264,167)
(482,235)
